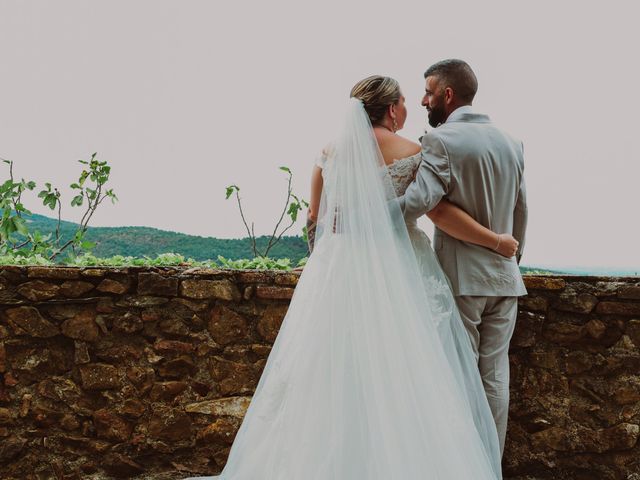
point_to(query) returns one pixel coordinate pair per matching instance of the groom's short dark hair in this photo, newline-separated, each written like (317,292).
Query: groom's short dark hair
(456,74)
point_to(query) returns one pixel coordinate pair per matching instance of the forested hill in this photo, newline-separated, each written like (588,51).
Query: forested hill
(139,241)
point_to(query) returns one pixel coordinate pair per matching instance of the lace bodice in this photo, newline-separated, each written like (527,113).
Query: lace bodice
(403,171)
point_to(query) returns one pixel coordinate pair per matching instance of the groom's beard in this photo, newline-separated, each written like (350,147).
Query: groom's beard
(436,116)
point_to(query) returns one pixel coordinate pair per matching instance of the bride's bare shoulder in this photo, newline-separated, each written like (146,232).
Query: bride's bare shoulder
(394,147)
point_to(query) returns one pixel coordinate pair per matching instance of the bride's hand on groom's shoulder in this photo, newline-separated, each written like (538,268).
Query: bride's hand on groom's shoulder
(508,245)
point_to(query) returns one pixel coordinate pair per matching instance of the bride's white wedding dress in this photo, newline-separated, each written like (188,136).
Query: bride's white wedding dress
(372,376)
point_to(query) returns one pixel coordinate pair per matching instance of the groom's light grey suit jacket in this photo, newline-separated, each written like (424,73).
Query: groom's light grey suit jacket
(476,166)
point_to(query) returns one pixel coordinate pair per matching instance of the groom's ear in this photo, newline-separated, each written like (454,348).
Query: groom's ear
(448,95)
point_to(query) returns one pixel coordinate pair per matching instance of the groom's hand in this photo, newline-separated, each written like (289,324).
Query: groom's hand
(508,245)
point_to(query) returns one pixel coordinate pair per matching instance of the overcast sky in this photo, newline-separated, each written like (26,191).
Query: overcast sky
(186,97)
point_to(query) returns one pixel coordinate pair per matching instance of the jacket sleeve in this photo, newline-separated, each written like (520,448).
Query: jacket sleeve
(520,217)
(432,179)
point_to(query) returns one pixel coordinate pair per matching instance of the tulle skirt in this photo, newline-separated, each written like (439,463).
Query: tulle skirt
(367,382)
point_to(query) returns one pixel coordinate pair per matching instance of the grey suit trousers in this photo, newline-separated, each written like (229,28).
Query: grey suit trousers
(490,322)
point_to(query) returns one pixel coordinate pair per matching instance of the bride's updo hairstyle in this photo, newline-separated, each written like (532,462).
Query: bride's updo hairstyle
(377,93)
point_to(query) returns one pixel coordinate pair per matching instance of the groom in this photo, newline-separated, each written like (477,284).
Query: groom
(478,167)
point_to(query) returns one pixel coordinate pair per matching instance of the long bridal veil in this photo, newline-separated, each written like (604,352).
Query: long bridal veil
(370,376)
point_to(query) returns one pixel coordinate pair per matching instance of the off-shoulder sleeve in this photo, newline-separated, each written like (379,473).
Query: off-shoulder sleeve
(327,152)
(321,160)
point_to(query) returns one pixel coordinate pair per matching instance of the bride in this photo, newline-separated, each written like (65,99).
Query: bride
(372,375)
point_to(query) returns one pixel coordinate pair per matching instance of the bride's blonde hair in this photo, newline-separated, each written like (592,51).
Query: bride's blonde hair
(377,93)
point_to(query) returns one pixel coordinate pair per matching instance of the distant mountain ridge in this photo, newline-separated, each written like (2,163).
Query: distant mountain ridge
(141,241)
(149,241)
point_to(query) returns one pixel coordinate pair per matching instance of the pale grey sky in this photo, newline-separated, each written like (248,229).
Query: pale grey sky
(186,97)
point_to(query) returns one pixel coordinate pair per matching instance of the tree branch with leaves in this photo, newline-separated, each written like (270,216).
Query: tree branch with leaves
(293,204)
(97,172)
(91,192)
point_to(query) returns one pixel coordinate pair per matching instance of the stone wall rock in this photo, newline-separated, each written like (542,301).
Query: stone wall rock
(575,391)
(127,372)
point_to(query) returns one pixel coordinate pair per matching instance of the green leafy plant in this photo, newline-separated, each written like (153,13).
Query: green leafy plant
(87,259)
(257,263)
(12,210)
(17,240)
(163,259)
(10,258)
(90,193)
(293,205)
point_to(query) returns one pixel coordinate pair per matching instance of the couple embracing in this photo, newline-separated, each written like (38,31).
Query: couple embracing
(391,362)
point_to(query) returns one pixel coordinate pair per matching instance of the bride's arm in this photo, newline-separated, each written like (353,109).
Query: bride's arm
(459,224)
(314,205)
(316,193)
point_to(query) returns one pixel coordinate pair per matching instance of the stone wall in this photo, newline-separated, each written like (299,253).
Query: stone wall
(145,372)
(575,384)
